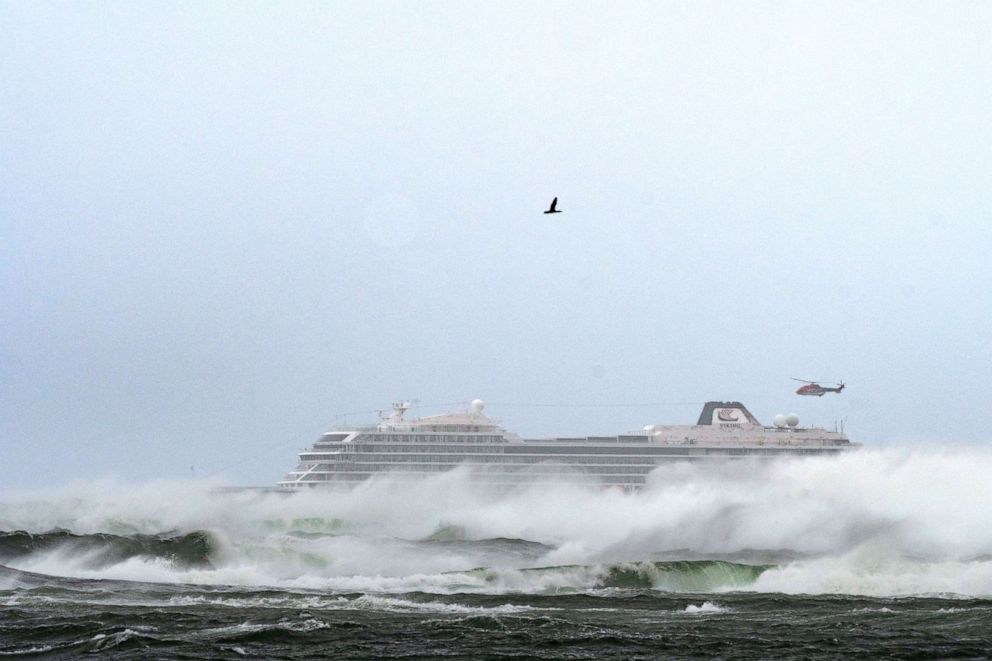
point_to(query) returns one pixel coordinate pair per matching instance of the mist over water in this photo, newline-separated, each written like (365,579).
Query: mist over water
(874,522)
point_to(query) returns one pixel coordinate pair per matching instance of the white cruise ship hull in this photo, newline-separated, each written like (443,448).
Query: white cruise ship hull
(425,447)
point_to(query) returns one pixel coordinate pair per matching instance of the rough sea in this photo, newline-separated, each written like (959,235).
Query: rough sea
(874,554)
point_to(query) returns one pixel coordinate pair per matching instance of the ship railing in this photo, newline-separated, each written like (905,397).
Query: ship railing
(347,430)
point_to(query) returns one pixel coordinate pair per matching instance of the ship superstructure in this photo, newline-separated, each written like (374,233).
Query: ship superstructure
(428,445)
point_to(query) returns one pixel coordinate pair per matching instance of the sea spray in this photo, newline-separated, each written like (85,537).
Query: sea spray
(922,514)
(871,570)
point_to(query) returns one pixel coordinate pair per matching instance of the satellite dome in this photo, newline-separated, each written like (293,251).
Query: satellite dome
(477,406)
(650,429)
(779,420)
(792,420)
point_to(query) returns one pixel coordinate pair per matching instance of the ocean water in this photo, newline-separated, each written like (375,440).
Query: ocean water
(873,554)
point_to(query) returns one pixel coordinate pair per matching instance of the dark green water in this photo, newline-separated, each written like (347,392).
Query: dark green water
(879,555)
(622,615)
(142,620)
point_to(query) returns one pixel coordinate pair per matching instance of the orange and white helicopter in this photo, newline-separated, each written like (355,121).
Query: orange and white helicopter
(814,389)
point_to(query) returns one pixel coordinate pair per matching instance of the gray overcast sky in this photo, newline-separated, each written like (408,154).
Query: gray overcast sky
(221,225)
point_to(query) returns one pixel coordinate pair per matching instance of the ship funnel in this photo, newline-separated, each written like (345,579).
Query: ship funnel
(726,413)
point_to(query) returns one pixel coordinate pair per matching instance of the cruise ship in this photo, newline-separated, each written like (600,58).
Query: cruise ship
(428,445)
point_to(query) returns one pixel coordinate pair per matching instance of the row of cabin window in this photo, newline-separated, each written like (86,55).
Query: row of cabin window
(439,449)
(429,438)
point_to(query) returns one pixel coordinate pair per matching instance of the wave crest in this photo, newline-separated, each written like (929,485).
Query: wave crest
(105,549)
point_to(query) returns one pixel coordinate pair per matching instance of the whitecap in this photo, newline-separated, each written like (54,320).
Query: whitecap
(706,607)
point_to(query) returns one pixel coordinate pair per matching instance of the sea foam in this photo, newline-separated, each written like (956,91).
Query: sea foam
(877,522)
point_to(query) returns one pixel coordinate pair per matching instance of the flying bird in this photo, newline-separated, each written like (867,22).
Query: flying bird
(554,203)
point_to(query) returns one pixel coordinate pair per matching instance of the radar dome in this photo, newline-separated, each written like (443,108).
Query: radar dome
(792,420)
(477,406)
(779,421)
(650,429)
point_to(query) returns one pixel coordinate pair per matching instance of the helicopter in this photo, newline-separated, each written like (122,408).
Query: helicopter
(814,389)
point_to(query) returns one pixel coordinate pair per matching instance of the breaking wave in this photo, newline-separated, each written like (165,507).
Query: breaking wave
(669,576)
(105,549)
(884,523)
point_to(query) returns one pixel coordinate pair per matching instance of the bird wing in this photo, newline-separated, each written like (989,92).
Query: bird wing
(554,203)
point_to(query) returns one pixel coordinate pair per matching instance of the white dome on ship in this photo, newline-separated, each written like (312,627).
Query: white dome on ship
(477,406)
(792,420)
(779,420)
(650,429)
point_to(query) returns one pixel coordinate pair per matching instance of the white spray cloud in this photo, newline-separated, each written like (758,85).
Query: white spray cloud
(873,522)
